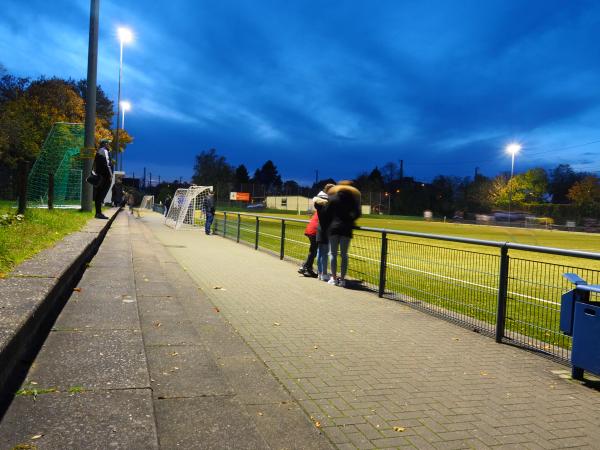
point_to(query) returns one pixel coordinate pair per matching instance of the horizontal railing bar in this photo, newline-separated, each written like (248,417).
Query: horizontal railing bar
(589,287)
(441,237)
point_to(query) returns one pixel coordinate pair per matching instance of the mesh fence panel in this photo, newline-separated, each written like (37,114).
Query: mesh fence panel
(59,156)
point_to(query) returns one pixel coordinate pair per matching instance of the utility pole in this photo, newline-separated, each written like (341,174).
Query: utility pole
(401,169)
(89,146)
(476,173)
(144,182)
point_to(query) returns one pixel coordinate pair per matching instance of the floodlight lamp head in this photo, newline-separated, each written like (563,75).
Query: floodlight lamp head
(125,35)
(125,105)
(513,148)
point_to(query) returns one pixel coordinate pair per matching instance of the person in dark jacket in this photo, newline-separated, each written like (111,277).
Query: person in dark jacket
(343,209)
(117,194)
(209,211)
(320,204)
(103,170)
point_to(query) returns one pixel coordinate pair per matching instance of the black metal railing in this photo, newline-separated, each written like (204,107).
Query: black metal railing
(506,290)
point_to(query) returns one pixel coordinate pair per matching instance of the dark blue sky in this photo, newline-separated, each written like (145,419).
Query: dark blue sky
(339,86)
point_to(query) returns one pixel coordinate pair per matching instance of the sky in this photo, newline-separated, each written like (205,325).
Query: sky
(335,86)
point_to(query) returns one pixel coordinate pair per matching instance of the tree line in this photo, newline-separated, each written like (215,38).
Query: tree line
(560,193)
(30,107)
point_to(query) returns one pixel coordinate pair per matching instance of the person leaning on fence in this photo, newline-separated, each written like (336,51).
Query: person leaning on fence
(209,211)
(320,203)
(343,209)
(311,233)
(103,170)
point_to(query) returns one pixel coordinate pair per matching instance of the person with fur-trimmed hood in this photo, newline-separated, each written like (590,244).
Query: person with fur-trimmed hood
(320,203)
(343,210)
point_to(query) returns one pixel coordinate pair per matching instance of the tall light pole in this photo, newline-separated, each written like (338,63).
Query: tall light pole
(512,149)
(125,36)
(89,150)
(125,106)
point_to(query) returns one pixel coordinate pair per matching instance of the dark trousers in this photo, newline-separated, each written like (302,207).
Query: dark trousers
(100,192)
(312,253)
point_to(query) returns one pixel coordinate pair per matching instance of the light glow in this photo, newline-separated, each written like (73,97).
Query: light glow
(125,35)
(513,148)
(125,105)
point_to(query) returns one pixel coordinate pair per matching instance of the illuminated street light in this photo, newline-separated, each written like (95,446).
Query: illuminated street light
(125,37)
(125,106)
(513,149)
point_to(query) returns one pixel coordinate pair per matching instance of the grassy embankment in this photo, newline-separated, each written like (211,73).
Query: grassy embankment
(37,230)
(456,277)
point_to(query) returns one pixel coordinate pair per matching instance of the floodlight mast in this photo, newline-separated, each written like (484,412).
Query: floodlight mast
(125,37)
(513,149)
(89,146)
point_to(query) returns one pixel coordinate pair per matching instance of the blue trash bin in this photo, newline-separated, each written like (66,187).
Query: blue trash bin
(580,318)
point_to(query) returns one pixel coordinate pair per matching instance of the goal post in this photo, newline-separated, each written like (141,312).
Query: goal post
(187,207)
(147,202)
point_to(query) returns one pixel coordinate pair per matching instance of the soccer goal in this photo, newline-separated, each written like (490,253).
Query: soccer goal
(147,202)
(187,208)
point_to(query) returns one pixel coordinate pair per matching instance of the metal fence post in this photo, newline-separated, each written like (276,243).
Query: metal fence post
(256,237)
(224,224)
(282,248)
(502,293)
(216,228)
(383,263)
(50,191)
(238,227)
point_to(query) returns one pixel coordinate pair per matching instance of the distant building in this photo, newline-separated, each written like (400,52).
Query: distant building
(299,203)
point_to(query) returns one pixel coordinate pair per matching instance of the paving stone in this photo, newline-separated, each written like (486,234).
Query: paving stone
(121,419)
(165,331)
(206,423)
(185,371)
(98,359)
(99,310)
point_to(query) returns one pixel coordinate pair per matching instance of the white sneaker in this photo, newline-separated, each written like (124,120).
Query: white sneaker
(341,283)
(331,281)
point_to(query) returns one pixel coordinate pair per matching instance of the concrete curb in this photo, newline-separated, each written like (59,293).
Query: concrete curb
(38,303)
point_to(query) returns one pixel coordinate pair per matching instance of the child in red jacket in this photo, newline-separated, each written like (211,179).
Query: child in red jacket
(311,233)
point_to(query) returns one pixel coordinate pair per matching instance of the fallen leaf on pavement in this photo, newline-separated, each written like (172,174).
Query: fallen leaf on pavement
(318,424)
(174,354)
(217,309)
(37,436)
(77,289)
(276,324)
(156,324)
(399,429)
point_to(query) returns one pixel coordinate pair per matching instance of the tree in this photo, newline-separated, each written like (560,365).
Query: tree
(28,112)
(212,169)
(241,175)
(562,178)
(268,176)
(390,172)
(291,187)
(528,187)
(586,195)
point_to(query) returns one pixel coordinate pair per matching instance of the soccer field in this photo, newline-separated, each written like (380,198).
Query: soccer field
(457,280)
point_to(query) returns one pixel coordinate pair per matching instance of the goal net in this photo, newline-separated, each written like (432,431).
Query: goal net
(188,207)
(147,202)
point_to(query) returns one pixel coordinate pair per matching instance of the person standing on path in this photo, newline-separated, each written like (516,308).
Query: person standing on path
(168,201)
(344,209)
(209,211)
(103,170)
(311,233)
(320,203)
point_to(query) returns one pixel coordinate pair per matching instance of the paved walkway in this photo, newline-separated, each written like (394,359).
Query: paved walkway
(373,373)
